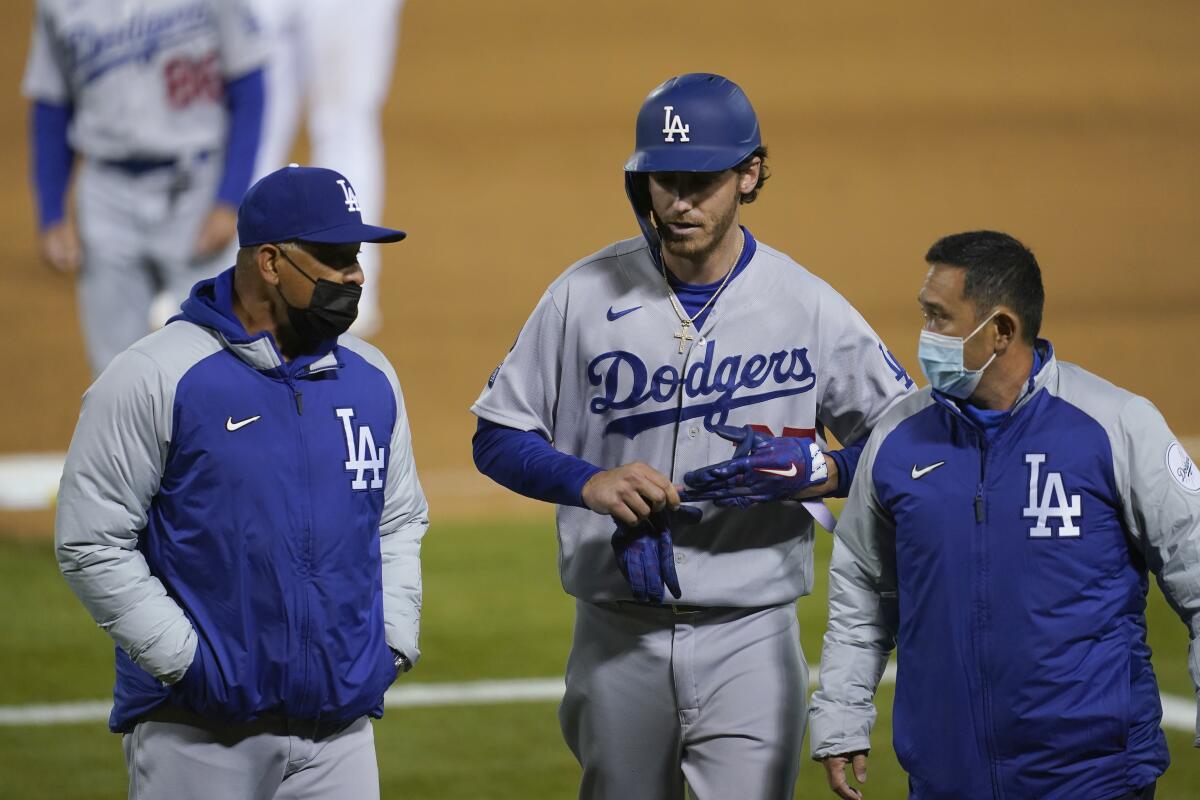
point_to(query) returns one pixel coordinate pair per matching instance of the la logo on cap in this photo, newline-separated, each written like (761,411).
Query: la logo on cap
(673,124)
(351,199)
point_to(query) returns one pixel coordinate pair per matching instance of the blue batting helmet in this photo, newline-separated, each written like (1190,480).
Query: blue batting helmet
(697,122)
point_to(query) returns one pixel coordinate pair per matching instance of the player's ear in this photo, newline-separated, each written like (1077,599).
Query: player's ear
(748,175)
(266,259)
(1008,328)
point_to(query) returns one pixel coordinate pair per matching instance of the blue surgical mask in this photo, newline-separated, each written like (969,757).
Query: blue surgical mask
(941,360)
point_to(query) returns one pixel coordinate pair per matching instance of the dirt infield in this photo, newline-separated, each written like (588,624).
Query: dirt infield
(889,125)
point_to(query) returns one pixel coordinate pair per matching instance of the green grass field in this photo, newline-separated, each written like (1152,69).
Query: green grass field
(493,609)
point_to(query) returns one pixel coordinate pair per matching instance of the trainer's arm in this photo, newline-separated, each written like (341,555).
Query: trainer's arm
(402,525)
(1162,513)
(112,472)
(862,621)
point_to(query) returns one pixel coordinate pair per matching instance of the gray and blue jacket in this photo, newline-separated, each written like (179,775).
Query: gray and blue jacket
(247,530)
(1010,572)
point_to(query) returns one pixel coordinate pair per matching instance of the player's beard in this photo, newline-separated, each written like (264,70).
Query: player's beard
(712,232)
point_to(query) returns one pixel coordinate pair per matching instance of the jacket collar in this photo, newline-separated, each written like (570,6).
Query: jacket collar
(210,305)
(1039,379)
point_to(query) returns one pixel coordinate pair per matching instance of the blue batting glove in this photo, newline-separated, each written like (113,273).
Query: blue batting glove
(774,468)
(746,440)
(646,555)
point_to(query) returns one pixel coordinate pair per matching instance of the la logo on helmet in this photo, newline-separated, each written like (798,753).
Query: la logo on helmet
(351,198)
(673,124)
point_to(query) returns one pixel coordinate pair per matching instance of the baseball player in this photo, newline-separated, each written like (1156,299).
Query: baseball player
(1000,532)
(161,100)
(640,363)
(335,60)
(240,511)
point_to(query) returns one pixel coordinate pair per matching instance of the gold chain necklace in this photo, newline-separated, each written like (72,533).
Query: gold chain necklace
(685,321)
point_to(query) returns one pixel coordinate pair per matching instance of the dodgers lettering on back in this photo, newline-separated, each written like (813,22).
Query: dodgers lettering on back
(600,370)
(145,78)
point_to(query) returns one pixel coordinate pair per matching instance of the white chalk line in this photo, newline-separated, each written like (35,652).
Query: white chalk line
(1178,713)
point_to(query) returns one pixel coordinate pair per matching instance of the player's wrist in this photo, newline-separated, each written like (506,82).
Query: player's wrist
(823,487)
(582,485)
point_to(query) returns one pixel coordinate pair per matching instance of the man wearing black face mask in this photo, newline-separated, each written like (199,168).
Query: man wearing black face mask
(240,511)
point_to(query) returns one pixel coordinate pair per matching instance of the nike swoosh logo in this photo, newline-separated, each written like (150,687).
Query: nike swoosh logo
(791,472)
(230,425)
(613,316)
(921,473)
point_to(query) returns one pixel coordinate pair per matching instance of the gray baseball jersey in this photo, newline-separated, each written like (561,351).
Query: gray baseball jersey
(599,372)
(144,77)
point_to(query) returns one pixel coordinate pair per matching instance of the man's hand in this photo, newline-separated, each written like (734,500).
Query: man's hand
(217,231)
(630,493)
(835,773)
(763,469)
(60,247)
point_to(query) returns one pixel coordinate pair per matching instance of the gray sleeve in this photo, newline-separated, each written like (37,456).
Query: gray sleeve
(402,525)
(861,378)
(1160,486)
(112,473)
(45,78)
(523,391)
(862,620)
(242,47)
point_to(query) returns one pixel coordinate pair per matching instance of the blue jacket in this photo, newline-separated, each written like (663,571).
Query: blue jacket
(246,529)
(1010,572)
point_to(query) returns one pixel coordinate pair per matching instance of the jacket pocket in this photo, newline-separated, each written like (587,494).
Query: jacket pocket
(196,689)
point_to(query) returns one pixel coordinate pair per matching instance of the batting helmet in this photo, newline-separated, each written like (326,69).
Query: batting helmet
(697,122)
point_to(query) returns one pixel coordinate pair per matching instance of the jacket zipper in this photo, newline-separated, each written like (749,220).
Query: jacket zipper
(305,552)
(982,619)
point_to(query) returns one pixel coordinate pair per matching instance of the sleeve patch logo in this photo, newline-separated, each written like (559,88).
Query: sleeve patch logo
(1182,468)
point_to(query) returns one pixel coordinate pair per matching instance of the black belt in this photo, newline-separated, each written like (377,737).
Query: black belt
(674,609)
(140,166)
(272,723)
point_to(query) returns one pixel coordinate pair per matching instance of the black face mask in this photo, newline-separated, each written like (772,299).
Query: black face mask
(330,313)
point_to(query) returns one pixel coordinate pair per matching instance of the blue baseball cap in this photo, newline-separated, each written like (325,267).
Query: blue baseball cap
(311,204)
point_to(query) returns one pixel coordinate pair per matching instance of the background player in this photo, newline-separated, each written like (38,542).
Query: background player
(162,100)
(614,388)
(334,60)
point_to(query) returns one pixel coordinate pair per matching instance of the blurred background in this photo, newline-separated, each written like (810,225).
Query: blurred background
(1072,126)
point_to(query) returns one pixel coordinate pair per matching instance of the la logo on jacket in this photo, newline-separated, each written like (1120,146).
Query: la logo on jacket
(1052,502)
(362,455)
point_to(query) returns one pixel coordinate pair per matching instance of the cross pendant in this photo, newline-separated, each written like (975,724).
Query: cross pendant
(683,336)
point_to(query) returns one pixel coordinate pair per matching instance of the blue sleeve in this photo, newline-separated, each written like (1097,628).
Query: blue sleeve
(244,97)
(847,463)
(51,160)
(527,464)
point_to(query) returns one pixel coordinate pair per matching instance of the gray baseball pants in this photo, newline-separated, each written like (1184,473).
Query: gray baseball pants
(137,233)
(254,761)
(716,698)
